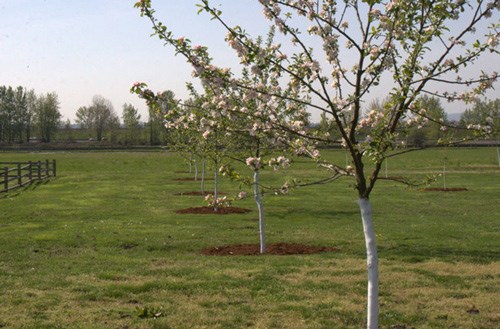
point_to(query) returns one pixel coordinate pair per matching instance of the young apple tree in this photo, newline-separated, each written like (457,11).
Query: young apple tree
(349,51)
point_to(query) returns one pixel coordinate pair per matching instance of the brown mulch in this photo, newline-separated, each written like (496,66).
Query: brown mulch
(185,179)
(210,210)
(448,189)
(198,193)
(271,249)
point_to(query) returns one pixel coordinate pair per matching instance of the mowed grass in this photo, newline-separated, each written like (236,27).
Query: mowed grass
(101,243)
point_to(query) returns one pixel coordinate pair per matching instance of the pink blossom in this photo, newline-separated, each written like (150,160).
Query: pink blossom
(282,56)
(253,162)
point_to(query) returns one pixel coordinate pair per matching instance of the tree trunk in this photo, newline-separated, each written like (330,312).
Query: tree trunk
(256,192)
(195,170)
(203,176)
(372,263)
(216,183)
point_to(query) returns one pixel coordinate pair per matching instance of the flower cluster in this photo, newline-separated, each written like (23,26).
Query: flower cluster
(219,202)
(278,162)
(242,195)
(254,163)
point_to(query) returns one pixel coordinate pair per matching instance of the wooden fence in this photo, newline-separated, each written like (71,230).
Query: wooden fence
(18,174)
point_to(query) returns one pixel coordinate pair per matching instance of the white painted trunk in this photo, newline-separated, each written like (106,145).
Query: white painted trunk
(372,263)
(191,163)
(216,186)
(195,170)
(260,207)
(203,177)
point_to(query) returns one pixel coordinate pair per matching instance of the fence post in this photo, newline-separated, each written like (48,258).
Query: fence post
(6,179)
(39,170)
(47,168)
(54,167)
(19,175)
(30,171)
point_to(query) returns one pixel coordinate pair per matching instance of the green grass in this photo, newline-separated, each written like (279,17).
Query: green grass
(101,242)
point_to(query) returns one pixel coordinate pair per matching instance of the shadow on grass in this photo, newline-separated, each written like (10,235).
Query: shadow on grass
(18,191)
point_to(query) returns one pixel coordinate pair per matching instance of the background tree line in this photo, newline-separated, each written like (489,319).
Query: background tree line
(23,113)
(430,132)
(26,116)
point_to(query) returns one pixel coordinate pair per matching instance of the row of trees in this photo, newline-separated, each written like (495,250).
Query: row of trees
(100,117)
(412,48)
(25,116)
(24,113)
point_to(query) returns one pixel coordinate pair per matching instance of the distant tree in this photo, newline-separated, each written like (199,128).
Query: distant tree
(131,117)
(156,122)
(483,112)
(19,114)
(100,116)
(31,103)
(7,110)
(104,116)
(433,124)
(47,116)
(84,117)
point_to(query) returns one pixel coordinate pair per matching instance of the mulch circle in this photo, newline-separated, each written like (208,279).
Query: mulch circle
(448,189)
(210,210)
(185,179)
(271,249)
(199,193)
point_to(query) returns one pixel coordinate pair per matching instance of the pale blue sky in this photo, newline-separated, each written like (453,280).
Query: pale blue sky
(80,48)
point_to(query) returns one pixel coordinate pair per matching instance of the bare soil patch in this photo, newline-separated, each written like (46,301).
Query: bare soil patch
(210,210)
(281,248)
(448,189)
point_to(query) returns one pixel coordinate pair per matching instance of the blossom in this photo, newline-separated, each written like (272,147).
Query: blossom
(254,163)
(391,4)
(492,41)
(282,56)
(242,195)
(315,154)
(375,12)
(449,62)
(374,51)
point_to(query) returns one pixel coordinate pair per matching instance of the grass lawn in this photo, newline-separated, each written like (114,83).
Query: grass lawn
(100,246)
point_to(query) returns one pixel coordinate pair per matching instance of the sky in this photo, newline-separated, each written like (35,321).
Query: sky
(79,49)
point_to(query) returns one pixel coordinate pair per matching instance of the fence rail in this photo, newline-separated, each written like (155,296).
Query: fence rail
(19,174)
